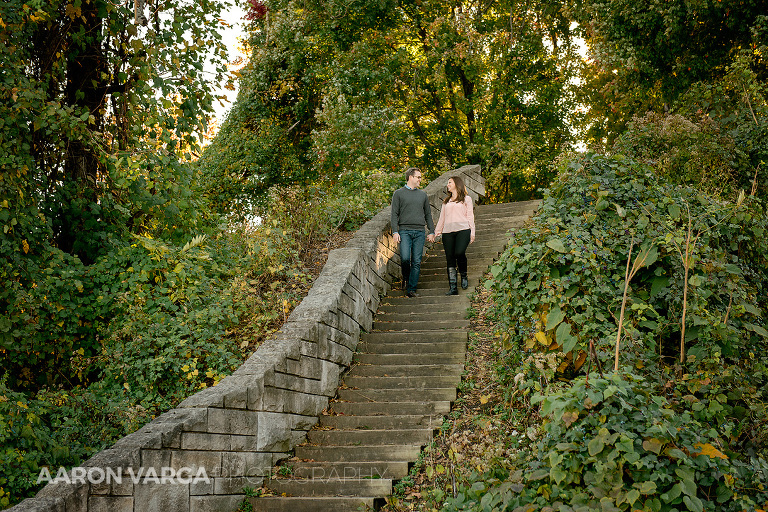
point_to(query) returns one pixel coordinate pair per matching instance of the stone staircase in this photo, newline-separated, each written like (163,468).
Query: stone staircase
(402,382)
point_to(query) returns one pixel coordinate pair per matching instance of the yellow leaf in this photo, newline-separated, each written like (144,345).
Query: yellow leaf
(25,246)
(484,399)
(569,417)
(710,451)
(653,445)
(542,338)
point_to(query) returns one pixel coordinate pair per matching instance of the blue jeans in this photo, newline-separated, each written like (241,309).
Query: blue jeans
(411,251)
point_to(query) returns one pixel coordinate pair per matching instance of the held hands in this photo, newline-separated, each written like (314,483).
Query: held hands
(431,238)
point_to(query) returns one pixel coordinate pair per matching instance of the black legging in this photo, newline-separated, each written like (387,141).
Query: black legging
(455,245)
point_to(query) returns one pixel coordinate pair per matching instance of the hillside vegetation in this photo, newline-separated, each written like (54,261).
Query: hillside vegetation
(135,273)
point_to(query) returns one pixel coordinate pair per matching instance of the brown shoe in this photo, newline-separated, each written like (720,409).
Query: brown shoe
(412,294)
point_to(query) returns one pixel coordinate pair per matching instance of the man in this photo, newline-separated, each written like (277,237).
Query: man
(410,212)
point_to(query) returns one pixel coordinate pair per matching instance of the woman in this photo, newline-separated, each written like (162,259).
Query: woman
(457,225)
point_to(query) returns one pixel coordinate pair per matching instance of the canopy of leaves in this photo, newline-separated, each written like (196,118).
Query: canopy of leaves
(372,86)
(645,56)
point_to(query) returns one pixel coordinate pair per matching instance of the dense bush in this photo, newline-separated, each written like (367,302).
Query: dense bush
(687,151)
(688,430)
(614,444)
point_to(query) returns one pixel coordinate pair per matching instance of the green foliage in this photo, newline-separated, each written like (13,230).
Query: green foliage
(688,152)
(570,267)
(645,57)
(335,91)
(614,444)
(57,428)
(684,435)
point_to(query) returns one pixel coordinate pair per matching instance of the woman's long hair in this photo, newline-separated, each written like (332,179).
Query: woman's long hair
(461,190)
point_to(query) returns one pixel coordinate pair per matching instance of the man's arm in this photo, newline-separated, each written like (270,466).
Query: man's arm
(394,218)
(428,218)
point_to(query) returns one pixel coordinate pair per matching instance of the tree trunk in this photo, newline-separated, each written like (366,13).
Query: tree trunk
(85,90)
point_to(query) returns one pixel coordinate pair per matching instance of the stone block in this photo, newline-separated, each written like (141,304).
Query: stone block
(195,459)
(209,397)
(146,437)
(274,432)
(205,441)
(115,458)
(331,378)
(293,402)
(191,419)
(110,504)
(296,383)
(156,459)
(338,354)
(201,488)
(234,389)
(311,349)
(124,487)
(215,503)
(229,421)
(244,443)
(309,367)
(161,496)
(74,495)
(39,505)
(236,464)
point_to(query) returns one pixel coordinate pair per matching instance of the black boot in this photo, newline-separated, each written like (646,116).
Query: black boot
(452,282)
(464,281)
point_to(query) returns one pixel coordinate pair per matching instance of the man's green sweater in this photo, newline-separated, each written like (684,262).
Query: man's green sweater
(411,210)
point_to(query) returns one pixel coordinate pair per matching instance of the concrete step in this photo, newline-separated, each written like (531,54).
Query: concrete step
(397,394)
(391,408)
(437,294)
(311,504)
(491,221)
(435,381)
(415,336)
(440,274)
(423,303)
(434,267)
(376,487)
(394,470)
(358,453)
(381,422)
(414,436)
(420,325)
(408,359)
(380,370)
(406,314)
(412,348)
(474,266)
(440,279)
(406,307)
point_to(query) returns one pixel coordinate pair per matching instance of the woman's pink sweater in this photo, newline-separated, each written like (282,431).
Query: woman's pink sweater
(456,217)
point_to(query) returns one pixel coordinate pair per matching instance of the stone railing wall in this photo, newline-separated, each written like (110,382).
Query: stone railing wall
(199,456)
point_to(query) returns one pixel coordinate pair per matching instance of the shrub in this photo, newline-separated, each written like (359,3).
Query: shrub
(686,151)
(614,444)
(688,430)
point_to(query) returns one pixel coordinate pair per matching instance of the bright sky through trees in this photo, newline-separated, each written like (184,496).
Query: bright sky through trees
(231,36)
